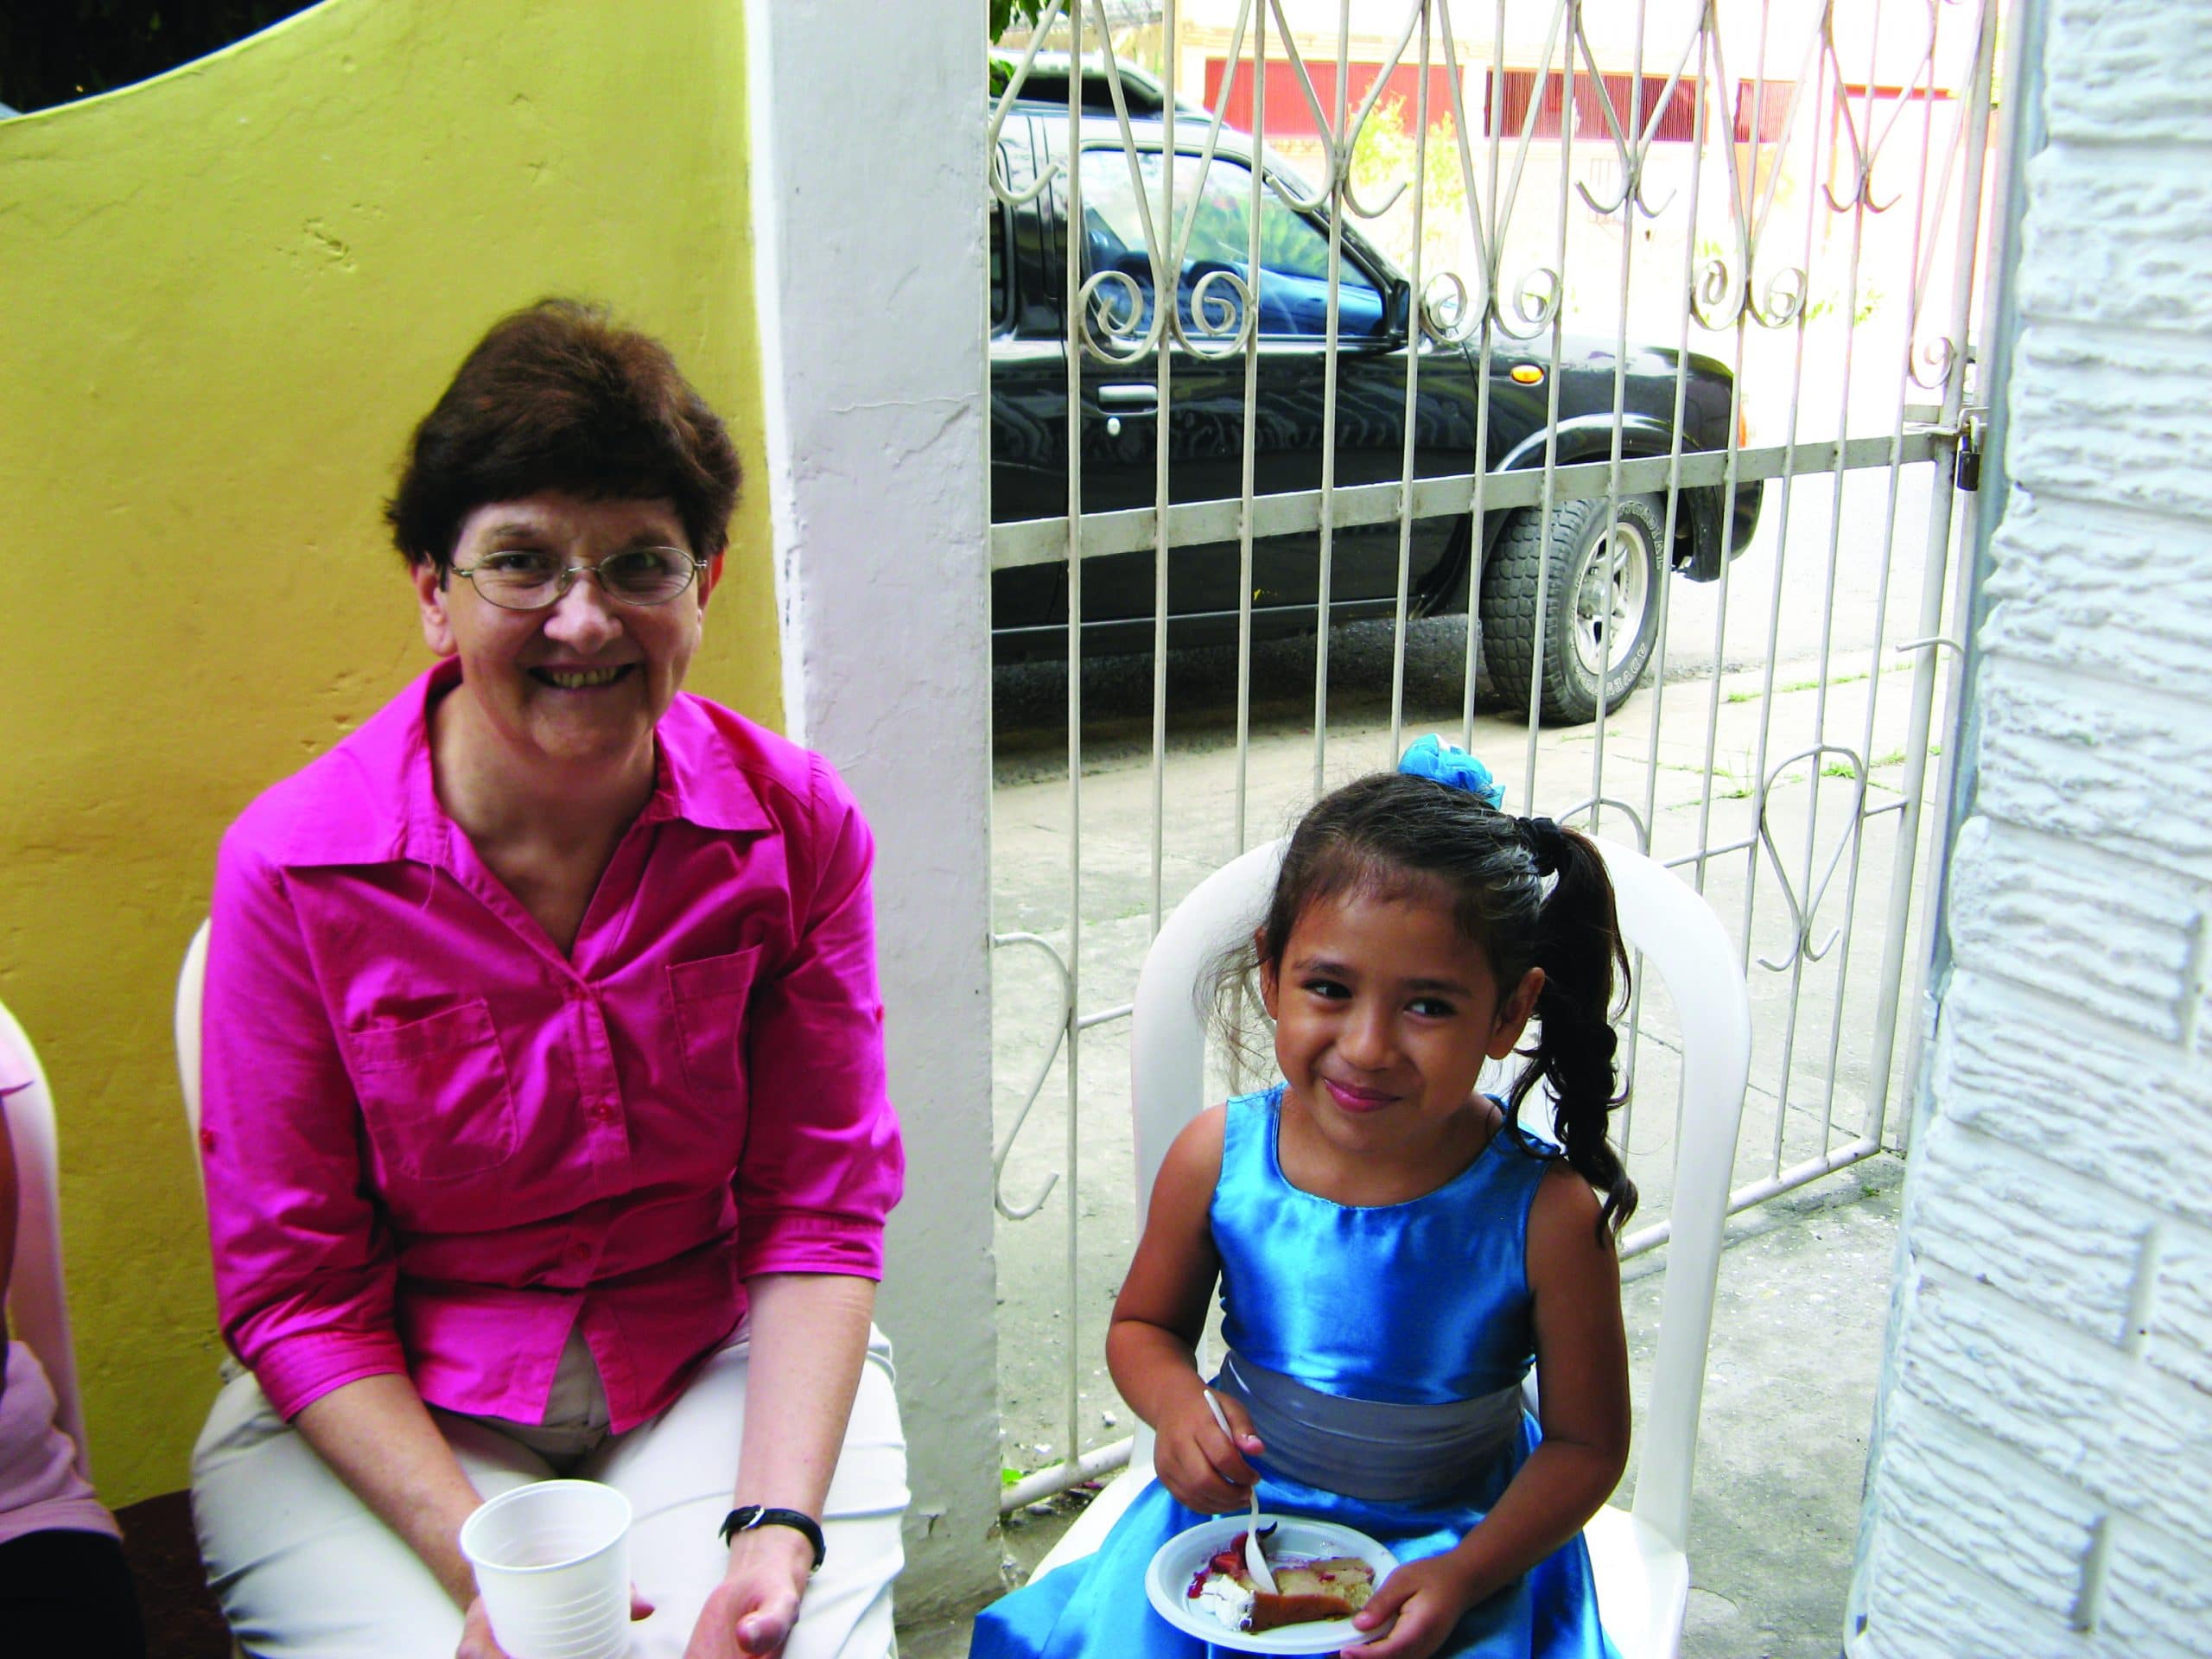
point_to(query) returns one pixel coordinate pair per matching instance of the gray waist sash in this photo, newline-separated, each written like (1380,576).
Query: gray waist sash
(1370,1448)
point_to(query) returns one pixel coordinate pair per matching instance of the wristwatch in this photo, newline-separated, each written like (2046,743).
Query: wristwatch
(746,1516)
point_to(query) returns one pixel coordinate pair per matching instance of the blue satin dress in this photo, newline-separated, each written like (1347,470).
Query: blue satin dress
(1375,1348)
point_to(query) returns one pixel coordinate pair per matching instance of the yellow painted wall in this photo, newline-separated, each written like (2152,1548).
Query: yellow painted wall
(226,297)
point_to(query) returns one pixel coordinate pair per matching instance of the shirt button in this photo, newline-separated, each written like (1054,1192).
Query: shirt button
(207,1140)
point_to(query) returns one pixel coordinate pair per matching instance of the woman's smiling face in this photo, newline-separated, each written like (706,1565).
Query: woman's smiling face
(583,681)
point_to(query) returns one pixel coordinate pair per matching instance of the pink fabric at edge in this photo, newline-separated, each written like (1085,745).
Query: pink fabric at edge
(39,1488)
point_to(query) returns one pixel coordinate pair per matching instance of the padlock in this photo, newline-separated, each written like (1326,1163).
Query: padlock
(1966,471)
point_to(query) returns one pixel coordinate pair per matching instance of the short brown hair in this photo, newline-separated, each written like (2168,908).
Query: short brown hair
(557,398)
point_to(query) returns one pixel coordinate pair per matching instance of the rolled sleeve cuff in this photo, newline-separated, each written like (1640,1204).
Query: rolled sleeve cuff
(297,1372)
(807,1241)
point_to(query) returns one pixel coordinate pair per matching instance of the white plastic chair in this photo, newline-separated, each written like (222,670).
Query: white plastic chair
(1640,1556)
(38,1300)
(189,982)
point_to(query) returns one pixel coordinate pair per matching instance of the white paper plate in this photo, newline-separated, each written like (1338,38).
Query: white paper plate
(1167,1581)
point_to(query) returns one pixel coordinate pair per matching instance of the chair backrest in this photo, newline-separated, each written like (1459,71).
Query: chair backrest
(38,1300)
(1680,939)
(189,982)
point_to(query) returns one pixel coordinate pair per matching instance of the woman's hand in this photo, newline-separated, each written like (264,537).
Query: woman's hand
(1204,1468)
(1426,1597)
(751,1610)
(476,1639)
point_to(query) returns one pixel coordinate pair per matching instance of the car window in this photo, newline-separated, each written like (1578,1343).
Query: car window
(1293,282)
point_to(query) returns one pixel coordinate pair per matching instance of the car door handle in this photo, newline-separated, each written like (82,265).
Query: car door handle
(1138,398)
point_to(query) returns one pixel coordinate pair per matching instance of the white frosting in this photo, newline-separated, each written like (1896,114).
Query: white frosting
(1227,1600)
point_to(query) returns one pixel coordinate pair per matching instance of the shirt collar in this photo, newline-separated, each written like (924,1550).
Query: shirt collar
(701,781)
(380,802)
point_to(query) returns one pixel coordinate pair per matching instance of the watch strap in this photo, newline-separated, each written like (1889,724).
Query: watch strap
(746,1517)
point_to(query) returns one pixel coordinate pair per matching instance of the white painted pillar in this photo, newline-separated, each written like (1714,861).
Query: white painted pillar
(867,143)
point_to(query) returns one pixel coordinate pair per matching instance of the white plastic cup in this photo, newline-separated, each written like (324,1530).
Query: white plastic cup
(552,1559)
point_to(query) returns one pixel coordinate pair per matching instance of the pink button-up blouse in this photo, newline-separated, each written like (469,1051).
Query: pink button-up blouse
(434,1144)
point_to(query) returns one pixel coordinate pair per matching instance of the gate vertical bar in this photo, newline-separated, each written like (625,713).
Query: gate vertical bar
(1074,1034)
(1746,217)
(1936,555)
(1414,312)
(1931,592)
(1251,433)
(1799,957)
(1166,300)
(1564,25)
(1631,166)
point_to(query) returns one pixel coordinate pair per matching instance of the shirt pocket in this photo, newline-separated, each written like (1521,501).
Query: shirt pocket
(709,997)
(435,1093)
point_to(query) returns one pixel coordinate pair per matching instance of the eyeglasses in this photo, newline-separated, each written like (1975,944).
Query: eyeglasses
(523,580)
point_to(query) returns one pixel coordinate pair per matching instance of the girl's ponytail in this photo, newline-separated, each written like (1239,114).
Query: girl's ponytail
(1579,947)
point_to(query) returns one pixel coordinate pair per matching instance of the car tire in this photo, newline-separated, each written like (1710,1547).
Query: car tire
(1591,616)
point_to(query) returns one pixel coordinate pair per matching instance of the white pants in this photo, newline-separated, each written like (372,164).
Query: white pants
(305,1571)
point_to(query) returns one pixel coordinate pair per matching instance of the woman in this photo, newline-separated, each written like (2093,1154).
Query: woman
(544,1122)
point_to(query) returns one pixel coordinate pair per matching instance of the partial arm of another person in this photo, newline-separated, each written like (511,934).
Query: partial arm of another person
(9,1215)
(1152,1344)
(1582,1360)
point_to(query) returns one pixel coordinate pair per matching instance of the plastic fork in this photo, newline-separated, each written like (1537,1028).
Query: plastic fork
(1255,1562)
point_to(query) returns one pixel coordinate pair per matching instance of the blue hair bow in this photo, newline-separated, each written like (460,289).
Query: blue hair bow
(1447,763)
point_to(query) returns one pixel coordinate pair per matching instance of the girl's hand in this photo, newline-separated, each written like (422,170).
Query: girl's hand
(1204,1468)
(476,1640)
(1427,1597)
(751,1610)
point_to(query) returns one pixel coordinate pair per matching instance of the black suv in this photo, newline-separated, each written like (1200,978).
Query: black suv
(1602,588)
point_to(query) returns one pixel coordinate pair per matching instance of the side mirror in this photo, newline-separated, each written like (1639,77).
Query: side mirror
(1398,309)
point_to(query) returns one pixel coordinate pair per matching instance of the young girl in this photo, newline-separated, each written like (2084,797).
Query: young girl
(1395,1248)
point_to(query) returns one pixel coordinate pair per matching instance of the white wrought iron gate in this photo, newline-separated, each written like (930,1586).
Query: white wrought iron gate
(1615,355)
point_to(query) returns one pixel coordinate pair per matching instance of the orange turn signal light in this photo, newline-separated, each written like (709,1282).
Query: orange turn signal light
(1527,374)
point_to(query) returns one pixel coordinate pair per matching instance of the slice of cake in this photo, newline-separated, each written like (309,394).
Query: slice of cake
(1336,1586)
(1307,1590)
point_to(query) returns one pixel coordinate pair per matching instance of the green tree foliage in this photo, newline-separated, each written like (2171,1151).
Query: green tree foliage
(1383,160)
(53,51)
(1004,14)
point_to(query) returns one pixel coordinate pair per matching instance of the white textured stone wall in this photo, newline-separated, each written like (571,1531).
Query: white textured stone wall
(2042,1480)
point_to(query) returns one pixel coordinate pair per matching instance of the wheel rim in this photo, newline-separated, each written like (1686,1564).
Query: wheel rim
(1611,599)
